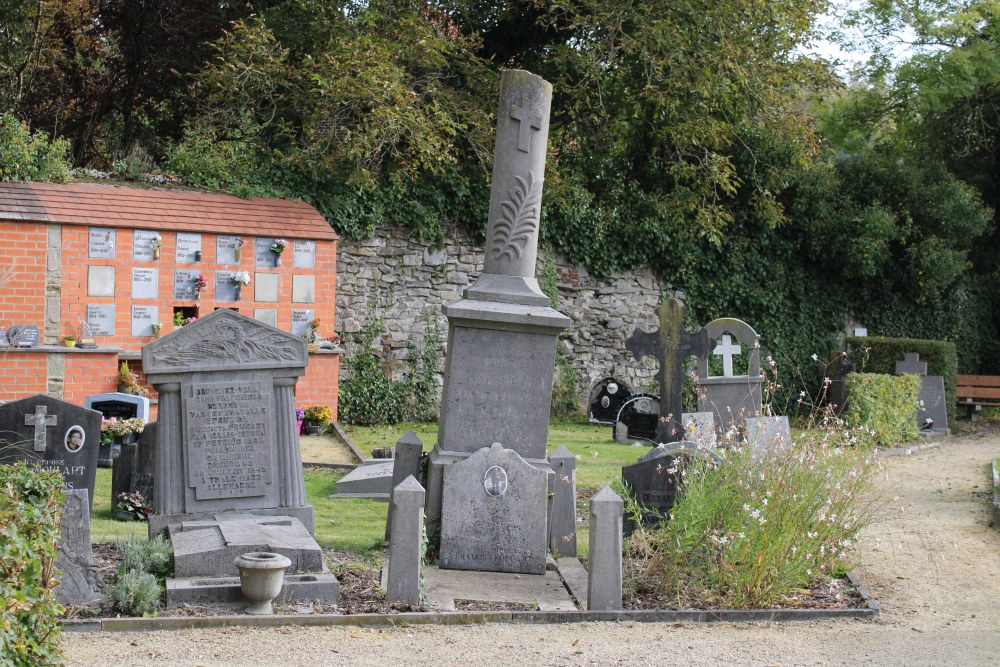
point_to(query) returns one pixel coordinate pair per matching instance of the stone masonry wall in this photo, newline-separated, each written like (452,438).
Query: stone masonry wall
(413,279)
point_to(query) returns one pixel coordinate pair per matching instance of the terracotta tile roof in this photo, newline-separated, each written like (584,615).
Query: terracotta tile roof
(102,205)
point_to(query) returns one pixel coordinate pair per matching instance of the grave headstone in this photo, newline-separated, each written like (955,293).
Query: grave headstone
(699,427)
(227,436)
(733,397)
(562,530)
(371,479)
(406,462)
(80,580)
(911,364)
(837,392)
(670,345)
(23,335)
(405,542)
(502,337)
(932,411)
(606,400)
(54,435)
(654,479)
(493,515)
(640,416)
(119,405)
(604,578)
(768,434)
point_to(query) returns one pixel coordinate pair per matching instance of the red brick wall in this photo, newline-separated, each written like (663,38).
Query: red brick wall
(24,374)
(89,373)
(319,385)
(22,298)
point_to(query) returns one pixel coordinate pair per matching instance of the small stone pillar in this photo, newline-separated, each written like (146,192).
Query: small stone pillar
(406,462)
(562,534)
(405,542)
(604,580)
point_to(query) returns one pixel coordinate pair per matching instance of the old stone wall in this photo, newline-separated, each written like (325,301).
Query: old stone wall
(410,280)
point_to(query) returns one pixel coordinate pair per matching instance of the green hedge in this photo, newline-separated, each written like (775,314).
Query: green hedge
(877,354)
(31,504)
(886,405)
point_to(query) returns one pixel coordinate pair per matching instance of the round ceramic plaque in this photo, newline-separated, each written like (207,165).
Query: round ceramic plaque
(495,481)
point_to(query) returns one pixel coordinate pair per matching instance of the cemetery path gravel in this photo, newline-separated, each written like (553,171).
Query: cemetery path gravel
(933,564)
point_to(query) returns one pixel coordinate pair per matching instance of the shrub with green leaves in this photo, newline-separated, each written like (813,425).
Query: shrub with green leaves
(885,406)
(135,593)
(30,157)
(749,531)
(31,503)
(153,556)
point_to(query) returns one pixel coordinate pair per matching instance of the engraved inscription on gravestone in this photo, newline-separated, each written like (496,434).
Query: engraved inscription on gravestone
(21,335)
(101,243)
(144,283)
(184,284)
(142,320)
(229,438)
(187,246)
(262,253)
(225,289)
(225,249)
(142,245)
(300,321)
(101,319)
(304,254)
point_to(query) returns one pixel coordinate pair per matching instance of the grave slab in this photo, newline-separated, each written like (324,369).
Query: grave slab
(442,587)
(80,580)
(373,479)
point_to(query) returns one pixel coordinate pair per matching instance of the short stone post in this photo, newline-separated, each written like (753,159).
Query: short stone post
(405,542)
(562,532)
(406,462)
(604,580)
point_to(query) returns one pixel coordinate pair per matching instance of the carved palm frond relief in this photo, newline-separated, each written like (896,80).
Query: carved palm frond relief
(520,218)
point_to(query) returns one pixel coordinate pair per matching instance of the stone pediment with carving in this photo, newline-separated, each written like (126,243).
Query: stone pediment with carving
(222,340)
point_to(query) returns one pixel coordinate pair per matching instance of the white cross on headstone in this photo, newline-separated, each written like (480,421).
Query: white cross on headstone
(528,121)
(727,350)
(40,420)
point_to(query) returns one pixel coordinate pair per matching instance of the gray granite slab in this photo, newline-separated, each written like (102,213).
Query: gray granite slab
(372,480)
(142,245)
(100,281)
(143,318)
(101,243)
(768,434)
(303,288)
(268,316)
(79,580)
(225,249)
(932,413)
(145,283)
(188,247)
(304,254)
(266,288)
(301,319)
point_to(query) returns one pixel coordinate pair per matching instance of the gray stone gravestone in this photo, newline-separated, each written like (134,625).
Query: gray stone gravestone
(23,335)
(606,400)
(371,479)
(405,542)
(932,413)
(562,530)
(227,438)
(55,435)
(501,341)
(405,463)
(494,513)
(732,397)
(654,480)
(670,345)
(699,427)
(604,578)
(768,434)
(79,581)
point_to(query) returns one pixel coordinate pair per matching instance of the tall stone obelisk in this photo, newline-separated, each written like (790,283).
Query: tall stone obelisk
(502,334)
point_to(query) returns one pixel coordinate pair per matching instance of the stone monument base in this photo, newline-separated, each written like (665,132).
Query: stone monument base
(161,522)
(319,587)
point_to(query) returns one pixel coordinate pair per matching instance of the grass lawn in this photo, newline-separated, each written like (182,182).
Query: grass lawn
(357,525)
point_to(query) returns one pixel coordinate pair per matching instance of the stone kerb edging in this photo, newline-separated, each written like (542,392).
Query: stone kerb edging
(996,493)
(869,611)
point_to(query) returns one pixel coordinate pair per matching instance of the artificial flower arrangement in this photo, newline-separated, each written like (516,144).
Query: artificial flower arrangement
(135,504)
(200,284)
(279,246)
(241,278)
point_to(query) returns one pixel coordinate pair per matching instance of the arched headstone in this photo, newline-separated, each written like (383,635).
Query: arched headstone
(733,398)
(606,400)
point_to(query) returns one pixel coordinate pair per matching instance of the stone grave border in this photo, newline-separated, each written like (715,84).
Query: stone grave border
(870,611)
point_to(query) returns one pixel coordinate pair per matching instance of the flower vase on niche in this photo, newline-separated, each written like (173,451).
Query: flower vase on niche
(238,290)
(156,253)
(277,248)
(277,259)
(238,255)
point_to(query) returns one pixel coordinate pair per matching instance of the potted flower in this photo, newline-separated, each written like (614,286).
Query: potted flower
(316,418)
(128,381)
(300,415)
(241,279)
(69,341)
(277,248)
(115,433)
(200,285)
(132,507)
(155,244)
(311,335)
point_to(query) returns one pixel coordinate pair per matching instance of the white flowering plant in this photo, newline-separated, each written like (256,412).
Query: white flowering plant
(241,278)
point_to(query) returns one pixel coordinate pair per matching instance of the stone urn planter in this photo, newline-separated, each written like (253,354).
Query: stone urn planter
(312,429)
(261,576)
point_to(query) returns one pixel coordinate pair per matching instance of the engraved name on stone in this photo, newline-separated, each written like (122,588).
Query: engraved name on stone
(225,249)
(303,254)
(144,283)
(101,243)
(142,245)
(187,246)
(228,429)
(101,320)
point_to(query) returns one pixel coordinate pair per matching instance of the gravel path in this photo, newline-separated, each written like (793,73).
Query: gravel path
(934,566)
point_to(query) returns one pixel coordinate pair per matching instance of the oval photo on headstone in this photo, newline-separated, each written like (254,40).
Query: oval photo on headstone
(495,481)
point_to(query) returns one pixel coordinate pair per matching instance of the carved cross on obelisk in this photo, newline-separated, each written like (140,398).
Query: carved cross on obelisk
(40,420)
(670,345)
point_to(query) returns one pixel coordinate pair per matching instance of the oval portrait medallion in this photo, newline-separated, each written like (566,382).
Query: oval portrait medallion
(495,481)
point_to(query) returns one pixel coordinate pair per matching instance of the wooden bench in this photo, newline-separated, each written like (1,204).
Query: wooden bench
(974,391)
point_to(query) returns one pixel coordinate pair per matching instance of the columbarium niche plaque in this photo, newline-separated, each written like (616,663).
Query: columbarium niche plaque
(228,436)
(101,319)
(301,319)
(184,284)
(143,318)
(144,283)
(225,288)
(142,245)
(304,254)
(187,246)
(225,249)
(263,257)
(101,243)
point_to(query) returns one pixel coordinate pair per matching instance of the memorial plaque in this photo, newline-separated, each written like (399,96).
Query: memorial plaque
(101,243)
(101,319)
(641,417)
(225,249)
(263,257)
(4,338)
(225,288)
(100,281)
(266,315)
(184,284)
(228,434)
(142,245)
(266,287)
(304,254)
(301,319)
(187,246)
(52,434)
(143,318)
(145,283)
(21,335)
(303,289)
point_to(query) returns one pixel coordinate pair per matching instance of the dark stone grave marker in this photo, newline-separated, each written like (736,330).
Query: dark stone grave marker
(606,400)
(932,413)
(639,418)
(21,335)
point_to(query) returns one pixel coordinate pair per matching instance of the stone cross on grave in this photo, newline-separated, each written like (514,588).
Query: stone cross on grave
(727,350)
(526,121)
(911,365)
(670,345)
(40,420)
